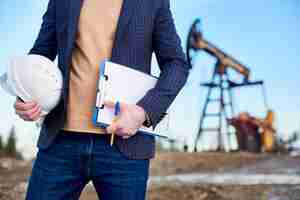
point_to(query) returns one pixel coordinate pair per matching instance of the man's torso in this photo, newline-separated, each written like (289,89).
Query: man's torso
(94,42)
(133,46)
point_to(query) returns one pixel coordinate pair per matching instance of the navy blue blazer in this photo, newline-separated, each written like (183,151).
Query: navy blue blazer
(144,27)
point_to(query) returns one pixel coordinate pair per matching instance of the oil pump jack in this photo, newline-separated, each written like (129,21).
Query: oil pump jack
(220,80)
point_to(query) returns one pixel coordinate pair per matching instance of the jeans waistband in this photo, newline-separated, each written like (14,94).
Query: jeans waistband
(75,134)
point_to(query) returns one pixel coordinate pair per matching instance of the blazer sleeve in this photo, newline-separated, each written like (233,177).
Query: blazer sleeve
(46,42)
(172,63)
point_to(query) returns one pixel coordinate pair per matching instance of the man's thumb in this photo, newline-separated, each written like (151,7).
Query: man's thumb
(109,103)
(112,128)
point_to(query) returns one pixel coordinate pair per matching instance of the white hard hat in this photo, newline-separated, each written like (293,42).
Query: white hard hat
(34,78)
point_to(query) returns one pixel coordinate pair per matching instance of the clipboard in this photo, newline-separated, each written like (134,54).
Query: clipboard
(124,84)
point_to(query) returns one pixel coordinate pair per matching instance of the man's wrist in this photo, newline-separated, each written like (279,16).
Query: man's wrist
(147,122)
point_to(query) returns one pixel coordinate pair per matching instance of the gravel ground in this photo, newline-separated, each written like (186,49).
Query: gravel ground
(14,175)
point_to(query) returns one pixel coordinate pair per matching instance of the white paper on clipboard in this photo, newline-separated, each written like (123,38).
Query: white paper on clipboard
(123,84)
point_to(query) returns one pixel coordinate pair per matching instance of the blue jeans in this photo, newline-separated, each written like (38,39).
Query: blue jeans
(63,170)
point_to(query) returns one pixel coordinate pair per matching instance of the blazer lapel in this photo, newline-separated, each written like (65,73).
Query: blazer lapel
(127,11)
(74,13)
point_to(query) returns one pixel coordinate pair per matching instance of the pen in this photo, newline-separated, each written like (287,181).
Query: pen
(117,111)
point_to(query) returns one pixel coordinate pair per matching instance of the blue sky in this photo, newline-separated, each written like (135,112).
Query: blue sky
(261,34)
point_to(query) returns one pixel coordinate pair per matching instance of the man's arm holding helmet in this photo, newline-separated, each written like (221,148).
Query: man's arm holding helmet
(45,45)
(29,111)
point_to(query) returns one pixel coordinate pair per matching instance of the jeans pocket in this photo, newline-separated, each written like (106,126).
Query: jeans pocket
(62,147)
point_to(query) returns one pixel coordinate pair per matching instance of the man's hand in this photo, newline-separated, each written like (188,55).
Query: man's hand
(29,111)
(130,119)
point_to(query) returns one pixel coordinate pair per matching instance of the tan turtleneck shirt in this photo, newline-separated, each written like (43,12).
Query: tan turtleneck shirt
(94,41)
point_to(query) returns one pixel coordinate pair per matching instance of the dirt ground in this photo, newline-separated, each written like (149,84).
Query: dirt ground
(179,163)
(14,175)
(212,192)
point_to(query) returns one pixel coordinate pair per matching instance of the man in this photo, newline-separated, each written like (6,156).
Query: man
(72,151)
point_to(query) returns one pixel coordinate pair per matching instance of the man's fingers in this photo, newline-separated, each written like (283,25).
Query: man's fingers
(25,118)
(21,106)
(118,130)
(125,132)
(24,105)
(28,111)
(109,129)
(129,134)
(35,116)
(30,115)
(112,128)
(112,104)
(126,137)
(109,103)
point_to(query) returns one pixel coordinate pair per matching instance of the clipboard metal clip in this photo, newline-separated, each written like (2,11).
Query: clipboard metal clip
(102,87)
(101,94)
